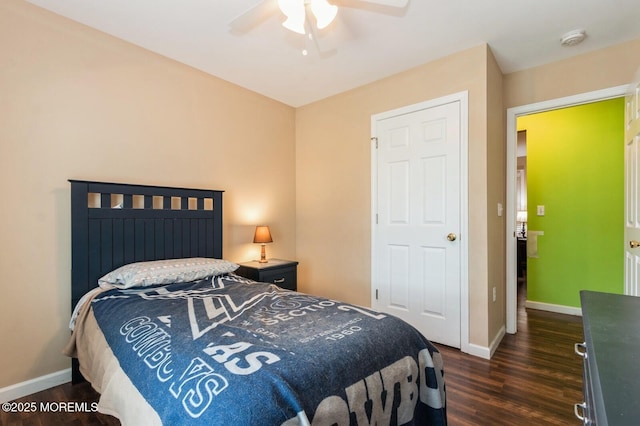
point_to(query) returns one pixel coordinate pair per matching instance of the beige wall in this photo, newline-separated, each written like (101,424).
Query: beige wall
(602,69)
(496,194)
(333,175)
(76,103)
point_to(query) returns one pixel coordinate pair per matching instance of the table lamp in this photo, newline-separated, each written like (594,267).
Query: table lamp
(521,217)
(262,236)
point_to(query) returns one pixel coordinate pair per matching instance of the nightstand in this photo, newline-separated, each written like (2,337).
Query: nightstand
(282,273)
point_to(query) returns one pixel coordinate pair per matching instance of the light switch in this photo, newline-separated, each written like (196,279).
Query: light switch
(500,209)
(540,210)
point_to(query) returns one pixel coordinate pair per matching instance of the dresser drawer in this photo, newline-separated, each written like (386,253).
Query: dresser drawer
(282,277)
(584,411)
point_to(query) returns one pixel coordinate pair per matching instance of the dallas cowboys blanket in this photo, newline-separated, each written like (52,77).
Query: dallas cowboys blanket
(229,351)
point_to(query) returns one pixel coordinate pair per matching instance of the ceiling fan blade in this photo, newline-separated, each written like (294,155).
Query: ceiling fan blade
(253,17)
(386,7)
(390,3)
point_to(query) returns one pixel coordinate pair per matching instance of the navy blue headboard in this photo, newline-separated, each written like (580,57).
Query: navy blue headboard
(113,224)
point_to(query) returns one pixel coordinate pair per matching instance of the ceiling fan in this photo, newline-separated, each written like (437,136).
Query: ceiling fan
(300,13)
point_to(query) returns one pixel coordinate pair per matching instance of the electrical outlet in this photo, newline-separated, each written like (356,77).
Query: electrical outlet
(494,294)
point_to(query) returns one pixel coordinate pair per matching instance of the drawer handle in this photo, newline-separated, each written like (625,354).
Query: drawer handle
(278,281)
(577,349)
(579,410)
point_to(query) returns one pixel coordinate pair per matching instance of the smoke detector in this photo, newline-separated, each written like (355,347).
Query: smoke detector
(573,37)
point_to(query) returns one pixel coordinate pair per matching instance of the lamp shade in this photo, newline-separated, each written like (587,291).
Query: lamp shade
(294,10)
(296,13)
(262,235)
(521,216)
(324,12)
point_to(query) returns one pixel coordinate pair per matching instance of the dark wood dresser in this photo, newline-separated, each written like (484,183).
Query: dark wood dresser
(611,354)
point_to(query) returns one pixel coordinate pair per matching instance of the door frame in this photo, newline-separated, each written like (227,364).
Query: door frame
(463,98)
(512,145)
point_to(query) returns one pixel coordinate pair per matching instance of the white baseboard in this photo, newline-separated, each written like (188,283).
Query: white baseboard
(477,350)
(486,352)
(38,384)
(496,342)
(560,309)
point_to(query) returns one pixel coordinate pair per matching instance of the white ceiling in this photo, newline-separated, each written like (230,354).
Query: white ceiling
(365,43)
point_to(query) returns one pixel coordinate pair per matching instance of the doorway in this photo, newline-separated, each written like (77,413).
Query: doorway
(511,243)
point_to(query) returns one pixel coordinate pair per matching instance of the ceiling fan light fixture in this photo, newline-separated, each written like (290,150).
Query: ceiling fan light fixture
(324,12)
(295,13)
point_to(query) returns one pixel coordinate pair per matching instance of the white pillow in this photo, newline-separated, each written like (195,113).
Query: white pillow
(144,274)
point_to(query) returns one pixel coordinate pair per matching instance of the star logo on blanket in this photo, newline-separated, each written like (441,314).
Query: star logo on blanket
(207,313)
(210,306)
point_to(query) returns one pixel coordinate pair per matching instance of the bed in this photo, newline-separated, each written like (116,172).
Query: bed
(167,333)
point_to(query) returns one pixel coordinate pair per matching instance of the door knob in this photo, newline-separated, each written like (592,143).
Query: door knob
(634,244)
(451,237)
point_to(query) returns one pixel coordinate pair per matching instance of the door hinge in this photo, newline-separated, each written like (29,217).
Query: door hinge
(376,218)
(376,294)
(376,140)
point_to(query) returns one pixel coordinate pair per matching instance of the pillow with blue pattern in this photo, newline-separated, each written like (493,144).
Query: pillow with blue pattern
(157,272)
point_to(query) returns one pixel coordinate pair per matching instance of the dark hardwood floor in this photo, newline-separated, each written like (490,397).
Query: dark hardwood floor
(533,378)
(46,414)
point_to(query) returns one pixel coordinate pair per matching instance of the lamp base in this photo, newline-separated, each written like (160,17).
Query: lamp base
(263,255)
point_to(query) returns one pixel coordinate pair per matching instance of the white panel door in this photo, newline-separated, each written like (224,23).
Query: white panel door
(632,192)
(416,254)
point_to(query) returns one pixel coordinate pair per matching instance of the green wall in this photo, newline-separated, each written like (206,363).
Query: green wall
(575,168)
